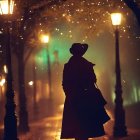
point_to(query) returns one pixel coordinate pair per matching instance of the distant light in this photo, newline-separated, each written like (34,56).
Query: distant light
(63,15)
(30,83)
(116,18)
(2,82)
(124,81)
(5,69)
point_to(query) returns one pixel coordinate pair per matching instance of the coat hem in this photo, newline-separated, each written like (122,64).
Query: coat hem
(90,136)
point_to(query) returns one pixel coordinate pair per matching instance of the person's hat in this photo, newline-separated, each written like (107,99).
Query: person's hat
(78,49)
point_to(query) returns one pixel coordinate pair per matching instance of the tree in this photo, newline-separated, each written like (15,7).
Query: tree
(27,14)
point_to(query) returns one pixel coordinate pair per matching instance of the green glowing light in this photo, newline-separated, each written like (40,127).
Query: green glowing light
(41,57)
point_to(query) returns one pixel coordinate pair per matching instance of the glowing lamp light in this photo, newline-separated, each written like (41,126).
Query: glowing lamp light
(116,18)
(6,7)
(30,83)
(44,38)
(2,82)
(5,69)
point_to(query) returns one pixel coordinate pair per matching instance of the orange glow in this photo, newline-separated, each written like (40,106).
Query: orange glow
(116,18)
(44,38)
(4,7)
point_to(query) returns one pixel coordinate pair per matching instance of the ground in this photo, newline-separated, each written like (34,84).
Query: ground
(49,128)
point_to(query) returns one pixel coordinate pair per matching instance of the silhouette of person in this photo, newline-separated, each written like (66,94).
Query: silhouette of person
(84,113)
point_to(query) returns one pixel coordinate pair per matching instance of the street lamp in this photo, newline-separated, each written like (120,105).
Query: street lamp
(119,126)
(10,120)
(35,107)
(45,40)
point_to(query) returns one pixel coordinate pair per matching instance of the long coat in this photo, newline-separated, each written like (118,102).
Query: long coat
(80,118)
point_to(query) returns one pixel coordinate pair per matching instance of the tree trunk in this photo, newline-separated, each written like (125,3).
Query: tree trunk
(23,114)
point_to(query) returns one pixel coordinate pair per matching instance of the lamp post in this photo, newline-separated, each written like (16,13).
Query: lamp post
(45,40)
(35,107)
(119,126)
(10,120)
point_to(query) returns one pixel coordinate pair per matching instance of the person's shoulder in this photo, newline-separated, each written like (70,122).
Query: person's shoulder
(86,62)
(66,65)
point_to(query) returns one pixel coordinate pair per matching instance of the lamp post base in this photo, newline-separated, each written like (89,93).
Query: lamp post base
(10,122)
(120,129)
(23,126)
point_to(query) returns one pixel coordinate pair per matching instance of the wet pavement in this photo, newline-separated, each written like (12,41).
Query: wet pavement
(49,128)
